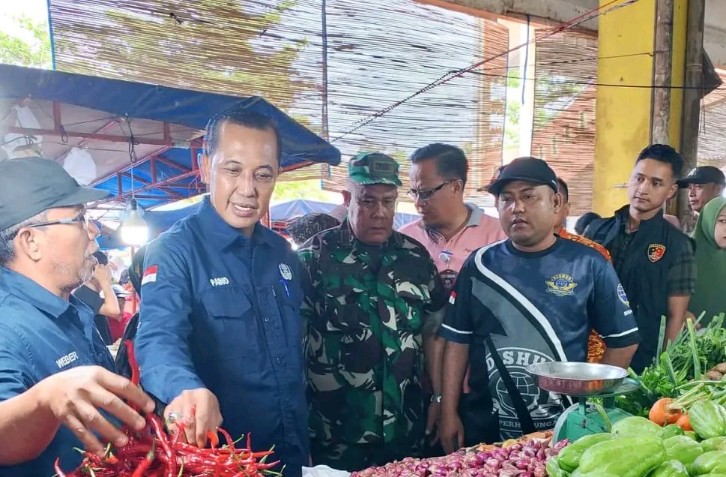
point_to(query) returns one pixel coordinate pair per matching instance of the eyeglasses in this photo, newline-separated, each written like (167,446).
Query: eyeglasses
(83,218)
(426,194)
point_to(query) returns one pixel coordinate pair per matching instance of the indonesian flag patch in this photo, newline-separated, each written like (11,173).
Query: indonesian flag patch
(149,275)
(452,297)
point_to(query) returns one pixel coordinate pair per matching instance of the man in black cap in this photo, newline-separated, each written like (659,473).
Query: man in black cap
(532,298)
(704,183)
(54,368)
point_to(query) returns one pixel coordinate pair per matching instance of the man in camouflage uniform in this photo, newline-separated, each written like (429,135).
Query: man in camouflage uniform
(373,303)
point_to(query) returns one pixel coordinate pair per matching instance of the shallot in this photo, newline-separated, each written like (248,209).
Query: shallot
(526,459)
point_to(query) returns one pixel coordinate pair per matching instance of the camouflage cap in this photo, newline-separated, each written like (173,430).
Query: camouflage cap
(367,168)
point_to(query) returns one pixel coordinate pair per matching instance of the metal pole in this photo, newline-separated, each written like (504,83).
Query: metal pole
(692,95)
(324,20)
(662,72)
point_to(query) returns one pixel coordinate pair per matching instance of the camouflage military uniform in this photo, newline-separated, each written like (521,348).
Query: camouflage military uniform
(367,308)
(364,338)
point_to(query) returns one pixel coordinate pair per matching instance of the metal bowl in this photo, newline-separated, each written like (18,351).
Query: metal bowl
(576,379)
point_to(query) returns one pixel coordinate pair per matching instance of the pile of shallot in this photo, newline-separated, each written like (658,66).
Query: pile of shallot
(522,459)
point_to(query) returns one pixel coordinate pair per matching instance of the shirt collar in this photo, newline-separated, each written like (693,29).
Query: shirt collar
(475,217)
(624,214)
(220,232)
(30,291)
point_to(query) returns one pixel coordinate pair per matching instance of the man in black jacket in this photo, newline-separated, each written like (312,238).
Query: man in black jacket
(653,259)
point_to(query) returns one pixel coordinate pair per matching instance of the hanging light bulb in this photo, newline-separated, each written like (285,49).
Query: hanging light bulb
(134,229)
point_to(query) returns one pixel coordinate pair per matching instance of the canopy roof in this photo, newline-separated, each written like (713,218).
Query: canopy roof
(116,122)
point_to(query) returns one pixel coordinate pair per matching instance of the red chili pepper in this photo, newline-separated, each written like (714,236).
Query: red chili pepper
(145,464)
(135,378)
(158,428)
(213,439)
(230,441)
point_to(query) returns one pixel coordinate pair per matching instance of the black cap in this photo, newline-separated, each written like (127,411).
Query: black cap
(31,185)
(703,175)
(528,169)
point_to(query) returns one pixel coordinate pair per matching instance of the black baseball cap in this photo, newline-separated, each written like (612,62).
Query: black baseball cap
(703,175)
(528,169)
(28,186)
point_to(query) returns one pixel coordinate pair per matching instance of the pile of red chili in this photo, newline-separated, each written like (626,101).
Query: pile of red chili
(154,453)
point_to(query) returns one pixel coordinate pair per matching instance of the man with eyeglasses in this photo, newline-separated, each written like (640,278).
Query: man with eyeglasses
(373,301)
(55,371)
(451,230)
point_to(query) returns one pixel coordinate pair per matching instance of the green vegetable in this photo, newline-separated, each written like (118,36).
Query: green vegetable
(683,449)
(709,462)
(635,426)
(708,419)
(569,457)
(670,468)
(677,366)
(714,443)
(596,473)
(624,456)
(691,434)
(669,431)
(553,468)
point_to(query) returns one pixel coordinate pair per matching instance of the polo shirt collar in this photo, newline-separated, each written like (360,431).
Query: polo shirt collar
(31,292)
(475,217)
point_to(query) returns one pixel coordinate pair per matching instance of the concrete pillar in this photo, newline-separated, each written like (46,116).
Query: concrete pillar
(625,99)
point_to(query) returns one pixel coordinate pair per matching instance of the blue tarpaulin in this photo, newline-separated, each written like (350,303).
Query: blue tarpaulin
(124,99)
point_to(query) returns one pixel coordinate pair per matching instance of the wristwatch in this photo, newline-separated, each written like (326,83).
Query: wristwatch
(436,398)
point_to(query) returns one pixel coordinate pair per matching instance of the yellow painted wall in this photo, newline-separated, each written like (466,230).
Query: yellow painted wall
(623,116)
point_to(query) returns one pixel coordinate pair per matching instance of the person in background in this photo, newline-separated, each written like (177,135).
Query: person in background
(532,298)
(103,307)
(710,237)
(302,228)
(135,275)
(653,258)
(117,324)
(219,332)
(451,230)
(560,226)
(373,300)
(584,220)
(596,346)
(55,371)
(704,183)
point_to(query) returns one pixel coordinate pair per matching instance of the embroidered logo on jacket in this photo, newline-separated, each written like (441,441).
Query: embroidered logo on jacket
(656,251)
(621,294)
(218,282)
(64,361)
(285,271)
(561,284)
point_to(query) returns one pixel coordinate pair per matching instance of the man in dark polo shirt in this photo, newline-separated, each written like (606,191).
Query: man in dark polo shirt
(654,260)
(54,369)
